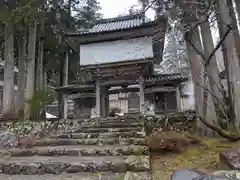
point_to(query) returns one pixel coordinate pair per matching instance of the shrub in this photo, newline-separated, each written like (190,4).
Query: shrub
(38,101)
(168,141)
(21,127)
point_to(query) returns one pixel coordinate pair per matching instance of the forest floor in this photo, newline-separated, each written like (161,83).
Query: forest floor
(204,158)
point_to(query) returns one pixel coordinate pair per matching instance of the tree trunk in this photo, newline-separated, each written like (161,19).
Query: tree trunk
(31,66)
(8,87)
(21,76)
(232,69)
(39,73)
(212,69)
(221,33)
(234,26)
(237,3)
(205,106)
(44,77)
(224,55)
(196,68)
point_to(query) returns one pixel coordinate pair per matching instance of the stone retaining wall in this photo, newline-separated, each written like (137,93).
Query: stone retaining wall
(181,121)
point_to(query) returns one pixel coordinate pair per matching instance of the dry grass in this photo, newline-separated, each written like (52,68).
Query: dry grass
(202,157)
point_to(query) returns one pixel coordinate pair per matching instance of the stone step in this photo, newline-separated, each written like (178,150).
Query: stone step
(109,119)
(81,176)
(120,120)
(81,151)
(70,164)
(100,135)
(99,130)
(109,141)
(117,118)
(121,123)
(111,125)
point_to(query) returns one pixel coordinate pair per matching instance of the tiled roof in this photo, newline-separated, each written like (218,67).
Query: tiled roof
(117,24)
(114,24)
(78,86)
(167,77)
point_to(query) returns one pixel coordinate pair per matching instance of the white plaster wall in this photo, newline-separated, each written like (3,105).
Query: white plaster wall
(115,51)
(188,102)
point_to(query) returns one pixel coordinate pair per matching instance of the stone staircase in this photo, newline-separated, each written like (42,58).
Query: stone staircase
(105,149)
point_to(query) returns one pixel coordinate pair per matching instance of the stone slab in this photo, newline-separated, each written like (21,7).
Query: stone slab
(70,164)
(79,150)
(100,142)
(230,158)
(111,125)
(99,130)
(81,176)
(100,135)
(121,121)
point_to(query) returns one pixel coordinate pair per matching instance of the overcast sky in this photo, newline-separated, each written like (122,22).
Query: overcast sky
(112,8)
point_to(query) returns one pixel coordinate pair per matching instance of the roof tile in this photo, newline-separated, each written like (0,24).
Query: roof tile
(116,25)
(113,24)
(167,77)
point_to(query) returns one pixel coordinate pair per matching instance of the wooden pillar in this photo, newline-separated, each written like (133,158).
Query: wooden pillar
(141,93)
(104,99)
(178,98)
(66,64)
(98,98)
(65,108)
(107,104)
(65,99)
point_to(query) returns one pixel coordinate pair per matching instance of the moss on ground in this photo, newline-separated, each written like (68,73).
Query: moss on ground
(203,157)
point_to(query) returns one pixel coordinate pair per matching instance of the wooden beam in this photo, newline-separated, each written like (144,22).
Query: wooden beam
(123,90)
(118,73)
(160,89)
(82,95)
(117,77)
(76,87)
(118,82)
(117,35)
(162,82)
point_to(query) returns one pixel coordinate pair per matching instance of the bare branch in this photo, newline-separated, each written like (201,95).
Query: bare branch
(193,46)
(220,131)
(218,45)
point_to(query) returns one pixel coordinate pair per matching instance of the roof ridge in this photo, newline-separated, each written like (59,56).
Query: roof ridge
(120,18)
